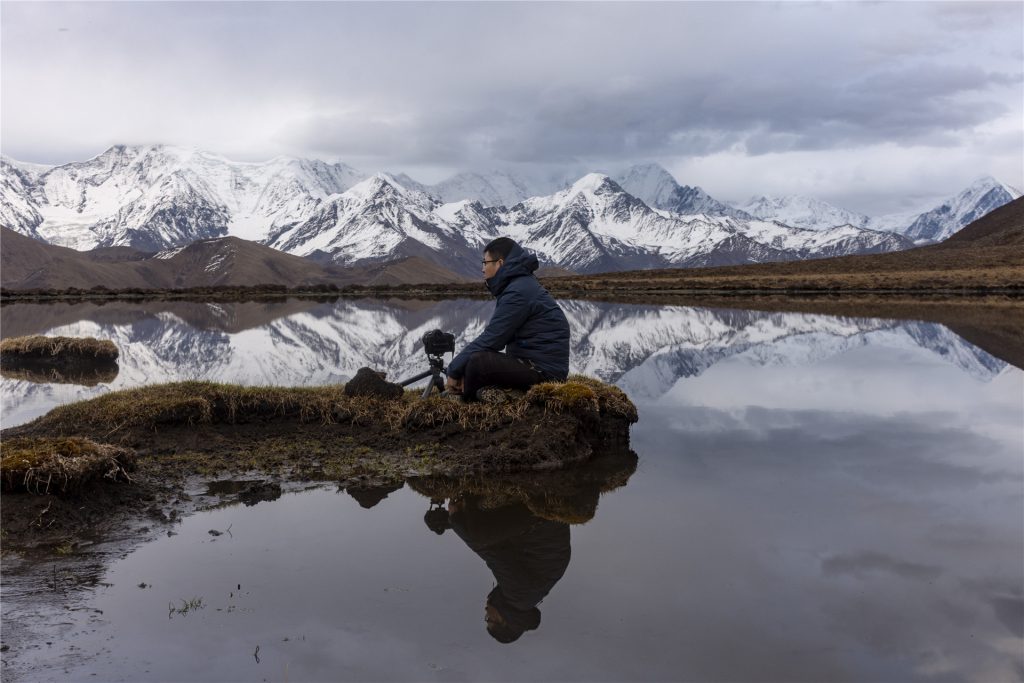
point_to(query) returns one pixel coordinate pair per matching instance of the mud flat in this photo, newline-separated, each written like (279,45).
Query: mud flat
(147,443)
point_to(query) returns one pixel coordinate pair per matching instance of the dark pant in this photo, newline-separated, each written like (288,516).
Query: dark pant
(491,369)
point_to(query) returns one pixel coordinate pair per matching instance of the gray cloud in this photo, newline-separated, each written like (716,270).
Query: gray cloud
(471,85)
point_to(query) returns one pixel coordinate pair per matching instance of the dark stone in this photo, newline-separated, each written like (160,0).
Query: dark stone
(257,492)
(369,382)
(368,496)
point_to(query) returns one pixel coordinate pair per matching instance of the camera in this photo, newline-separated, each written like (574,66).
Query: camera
(438,343)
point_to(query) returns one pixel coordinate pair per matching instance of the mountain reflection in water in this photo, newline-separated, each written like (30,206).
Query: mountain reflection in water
(645,350)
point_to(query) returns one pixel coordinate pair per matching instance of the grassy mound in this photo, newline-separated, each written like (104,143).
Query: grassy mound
(41,347)
(60,465)
(191,403)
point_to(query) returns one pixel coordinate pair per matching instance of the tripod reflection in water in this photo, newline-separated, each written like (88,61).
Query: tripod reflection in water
(519,526)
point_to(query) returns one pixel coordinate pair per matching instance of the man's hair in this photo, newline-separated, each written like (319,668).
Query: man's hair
(501,247)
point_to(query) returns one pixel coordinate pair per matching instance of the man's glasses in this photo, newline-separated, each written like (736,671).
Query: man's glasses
(485,261)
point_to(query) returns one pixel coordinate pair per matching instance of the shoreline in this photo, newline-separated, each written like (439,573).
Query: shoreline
(438,292)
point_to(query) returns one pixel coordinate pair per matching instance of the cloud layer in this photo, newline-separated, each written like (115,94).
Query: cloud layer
(827,92)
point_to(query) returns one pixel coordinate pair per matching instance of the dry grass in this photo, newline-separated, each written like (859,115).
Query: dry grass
(60,465)
(187,403)
(39,346)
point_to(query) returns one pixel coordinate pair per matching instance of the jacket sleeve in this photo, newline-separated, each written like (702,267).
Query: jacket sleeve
(510,313)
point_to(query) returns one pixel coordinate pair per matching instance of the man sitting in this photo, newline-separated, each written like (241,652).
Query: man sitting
(527,324)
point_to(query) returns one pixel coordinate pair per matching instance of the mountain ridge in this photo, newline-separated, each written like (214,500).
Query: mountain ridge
(157,197)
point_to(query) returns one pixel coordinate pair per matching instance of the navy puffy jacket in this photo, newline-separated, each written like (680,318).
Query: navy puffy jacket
(527,323)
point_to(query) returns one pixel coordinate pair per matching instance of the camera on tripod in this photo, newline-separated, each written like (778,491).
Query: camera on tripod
(438,343)
(435,344)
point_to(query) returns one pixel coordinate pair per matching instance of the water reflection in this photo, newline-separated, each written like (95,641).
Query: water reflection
(37,373)
(328,584)
(834,498)
(646,350)
(526,553)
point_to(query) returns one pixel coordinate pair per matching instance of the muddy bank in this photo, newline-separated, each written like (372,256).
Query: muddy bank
(182,430)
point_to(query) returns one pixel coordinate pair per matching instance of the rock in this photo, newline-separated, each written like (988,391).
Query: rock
(369,382)
(258,492)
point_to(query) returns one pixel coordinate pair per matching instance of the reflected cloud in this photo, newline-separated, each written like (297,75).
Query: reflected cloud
(860,564)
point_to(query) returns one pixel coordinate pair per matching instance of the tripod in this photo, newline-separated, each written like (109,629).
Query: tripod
(436,368)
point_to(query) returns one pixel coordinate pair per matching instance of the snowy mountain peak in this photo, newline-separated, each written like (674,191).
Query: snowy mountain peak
(593,183)
(987,183)
(803,212)
(651,183)
(983,195)
(656,187)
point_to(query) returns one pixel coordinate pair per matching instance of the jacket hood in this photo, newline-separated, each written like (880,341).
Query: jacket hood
(519,263)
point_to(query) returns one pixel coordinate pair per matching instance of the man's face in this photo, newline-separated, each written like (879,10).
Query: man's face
(491,264)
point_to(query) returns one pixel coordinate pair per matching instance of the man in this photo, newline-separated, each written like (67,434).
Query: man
(527,324)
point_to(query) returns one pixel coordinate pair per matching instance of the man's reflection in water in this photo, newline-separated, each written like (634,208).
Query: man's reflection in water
(526,553)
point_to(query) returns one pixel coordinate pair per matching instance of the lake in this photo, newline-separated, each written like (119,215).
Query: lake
(813,498)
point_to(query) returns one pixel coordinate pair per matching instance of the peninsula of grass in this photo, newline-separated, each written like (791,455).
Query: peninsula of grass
(319,432)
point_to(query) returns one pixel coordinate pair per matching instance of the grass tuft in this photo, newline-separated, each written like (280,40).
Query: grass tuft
(59,465)
(39,346)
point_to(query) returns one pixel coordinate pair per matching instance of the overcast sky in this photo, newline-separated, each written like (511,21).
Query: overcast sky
(876,107)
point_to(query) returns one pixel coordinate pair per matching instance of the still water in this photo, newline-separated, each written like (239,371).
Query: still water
(815,498)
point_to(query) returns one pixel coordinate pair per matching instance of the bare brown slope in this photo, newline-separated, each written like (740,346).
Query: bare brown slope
(26,263)
(412,270)
(234,262)
(223,262)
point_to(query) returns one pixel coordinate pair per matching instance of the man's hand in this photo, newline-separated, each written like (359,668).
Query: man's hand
(454,385)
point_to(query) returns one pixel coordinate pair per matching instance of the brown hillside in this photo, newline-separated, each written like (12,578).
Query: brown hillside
(234,262)
(223,262)
(26,263)
(412,270)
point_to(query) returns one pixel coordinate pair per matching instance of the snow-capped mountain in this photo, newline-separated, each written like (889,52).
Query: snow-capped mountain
(497,187)
(596,226)
(803,212)
(983,196)
(644,349)
(156,197)
(379,220)
(659,190)
(17,210)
